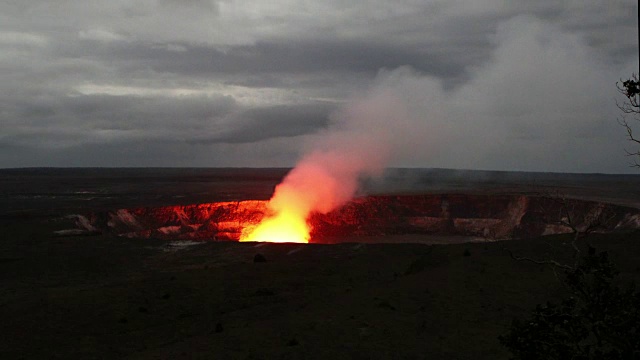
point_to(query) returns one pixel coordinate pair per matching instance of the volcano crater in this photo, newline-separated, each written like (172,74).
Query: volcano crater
(470,217)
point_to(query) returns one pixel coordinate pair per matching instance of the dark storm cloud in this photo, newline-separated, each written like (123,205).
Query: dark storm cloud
(271,122)
(105,118)
(72,121)
(270,57)
(329,57)
(202,4)
(123,112)
(150,153)
(250,81)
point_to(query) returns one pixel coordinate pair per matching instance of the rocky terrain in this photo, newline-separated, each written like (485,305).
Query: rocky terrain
(488,217)
(122,263)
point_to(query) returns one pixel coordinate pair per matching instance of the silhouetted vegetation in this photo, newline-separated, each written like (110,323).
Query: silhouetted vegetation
(598,320)
(630,108)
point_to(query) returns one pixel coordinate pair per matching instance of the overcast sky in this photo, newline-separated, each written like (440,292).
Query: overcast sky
(488,84)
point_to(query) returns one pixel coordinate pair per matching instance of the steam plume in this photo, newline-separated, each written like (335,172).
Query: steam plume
(357,145)
(409,117)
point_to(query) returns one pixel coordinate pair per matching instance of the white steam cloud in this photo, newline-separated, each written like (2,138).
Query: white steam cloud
(544,89)
(544,97)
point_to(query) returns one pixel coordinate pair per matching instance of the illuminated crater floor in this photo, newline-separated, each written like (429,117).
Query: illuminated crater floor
(409,218)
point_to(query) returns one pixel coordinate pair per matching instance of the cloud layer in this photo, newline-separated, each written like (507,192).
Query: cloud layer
(524,86)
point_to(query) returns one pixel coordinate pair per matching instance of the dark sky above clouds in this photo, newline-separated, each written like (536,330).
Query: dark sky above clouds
(488,84)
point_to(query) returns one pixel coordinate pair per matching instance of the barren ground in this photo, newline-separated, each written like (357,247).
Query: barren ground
(108,297)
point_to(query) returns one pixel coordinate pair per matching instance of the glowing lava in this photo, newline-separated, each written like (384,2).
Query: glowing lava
(283,227)
(357,146)
(320,182)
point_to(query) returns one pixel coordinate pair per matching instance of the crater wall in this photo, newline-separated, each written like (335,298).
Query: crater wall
(486,216)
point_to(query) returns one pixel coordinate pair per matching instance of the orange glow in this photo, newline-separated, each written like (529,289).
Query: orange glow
(319,183)
(283,227)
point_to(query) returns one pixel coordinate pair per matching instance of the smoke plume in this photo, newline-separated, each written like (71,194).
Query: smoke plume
(524,99)
(358,144)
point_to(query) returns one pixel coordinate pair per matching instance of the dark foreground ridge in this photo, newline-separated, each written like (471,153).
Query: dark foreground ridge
(478,217)
(65,296)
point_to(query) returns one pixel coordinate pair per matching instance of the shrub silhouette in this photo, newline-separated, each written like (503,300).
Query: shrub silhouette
(599,320)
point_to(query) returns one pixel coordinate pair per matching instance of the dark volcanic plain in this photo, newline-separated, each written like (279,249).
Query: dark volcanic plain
(103,296)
